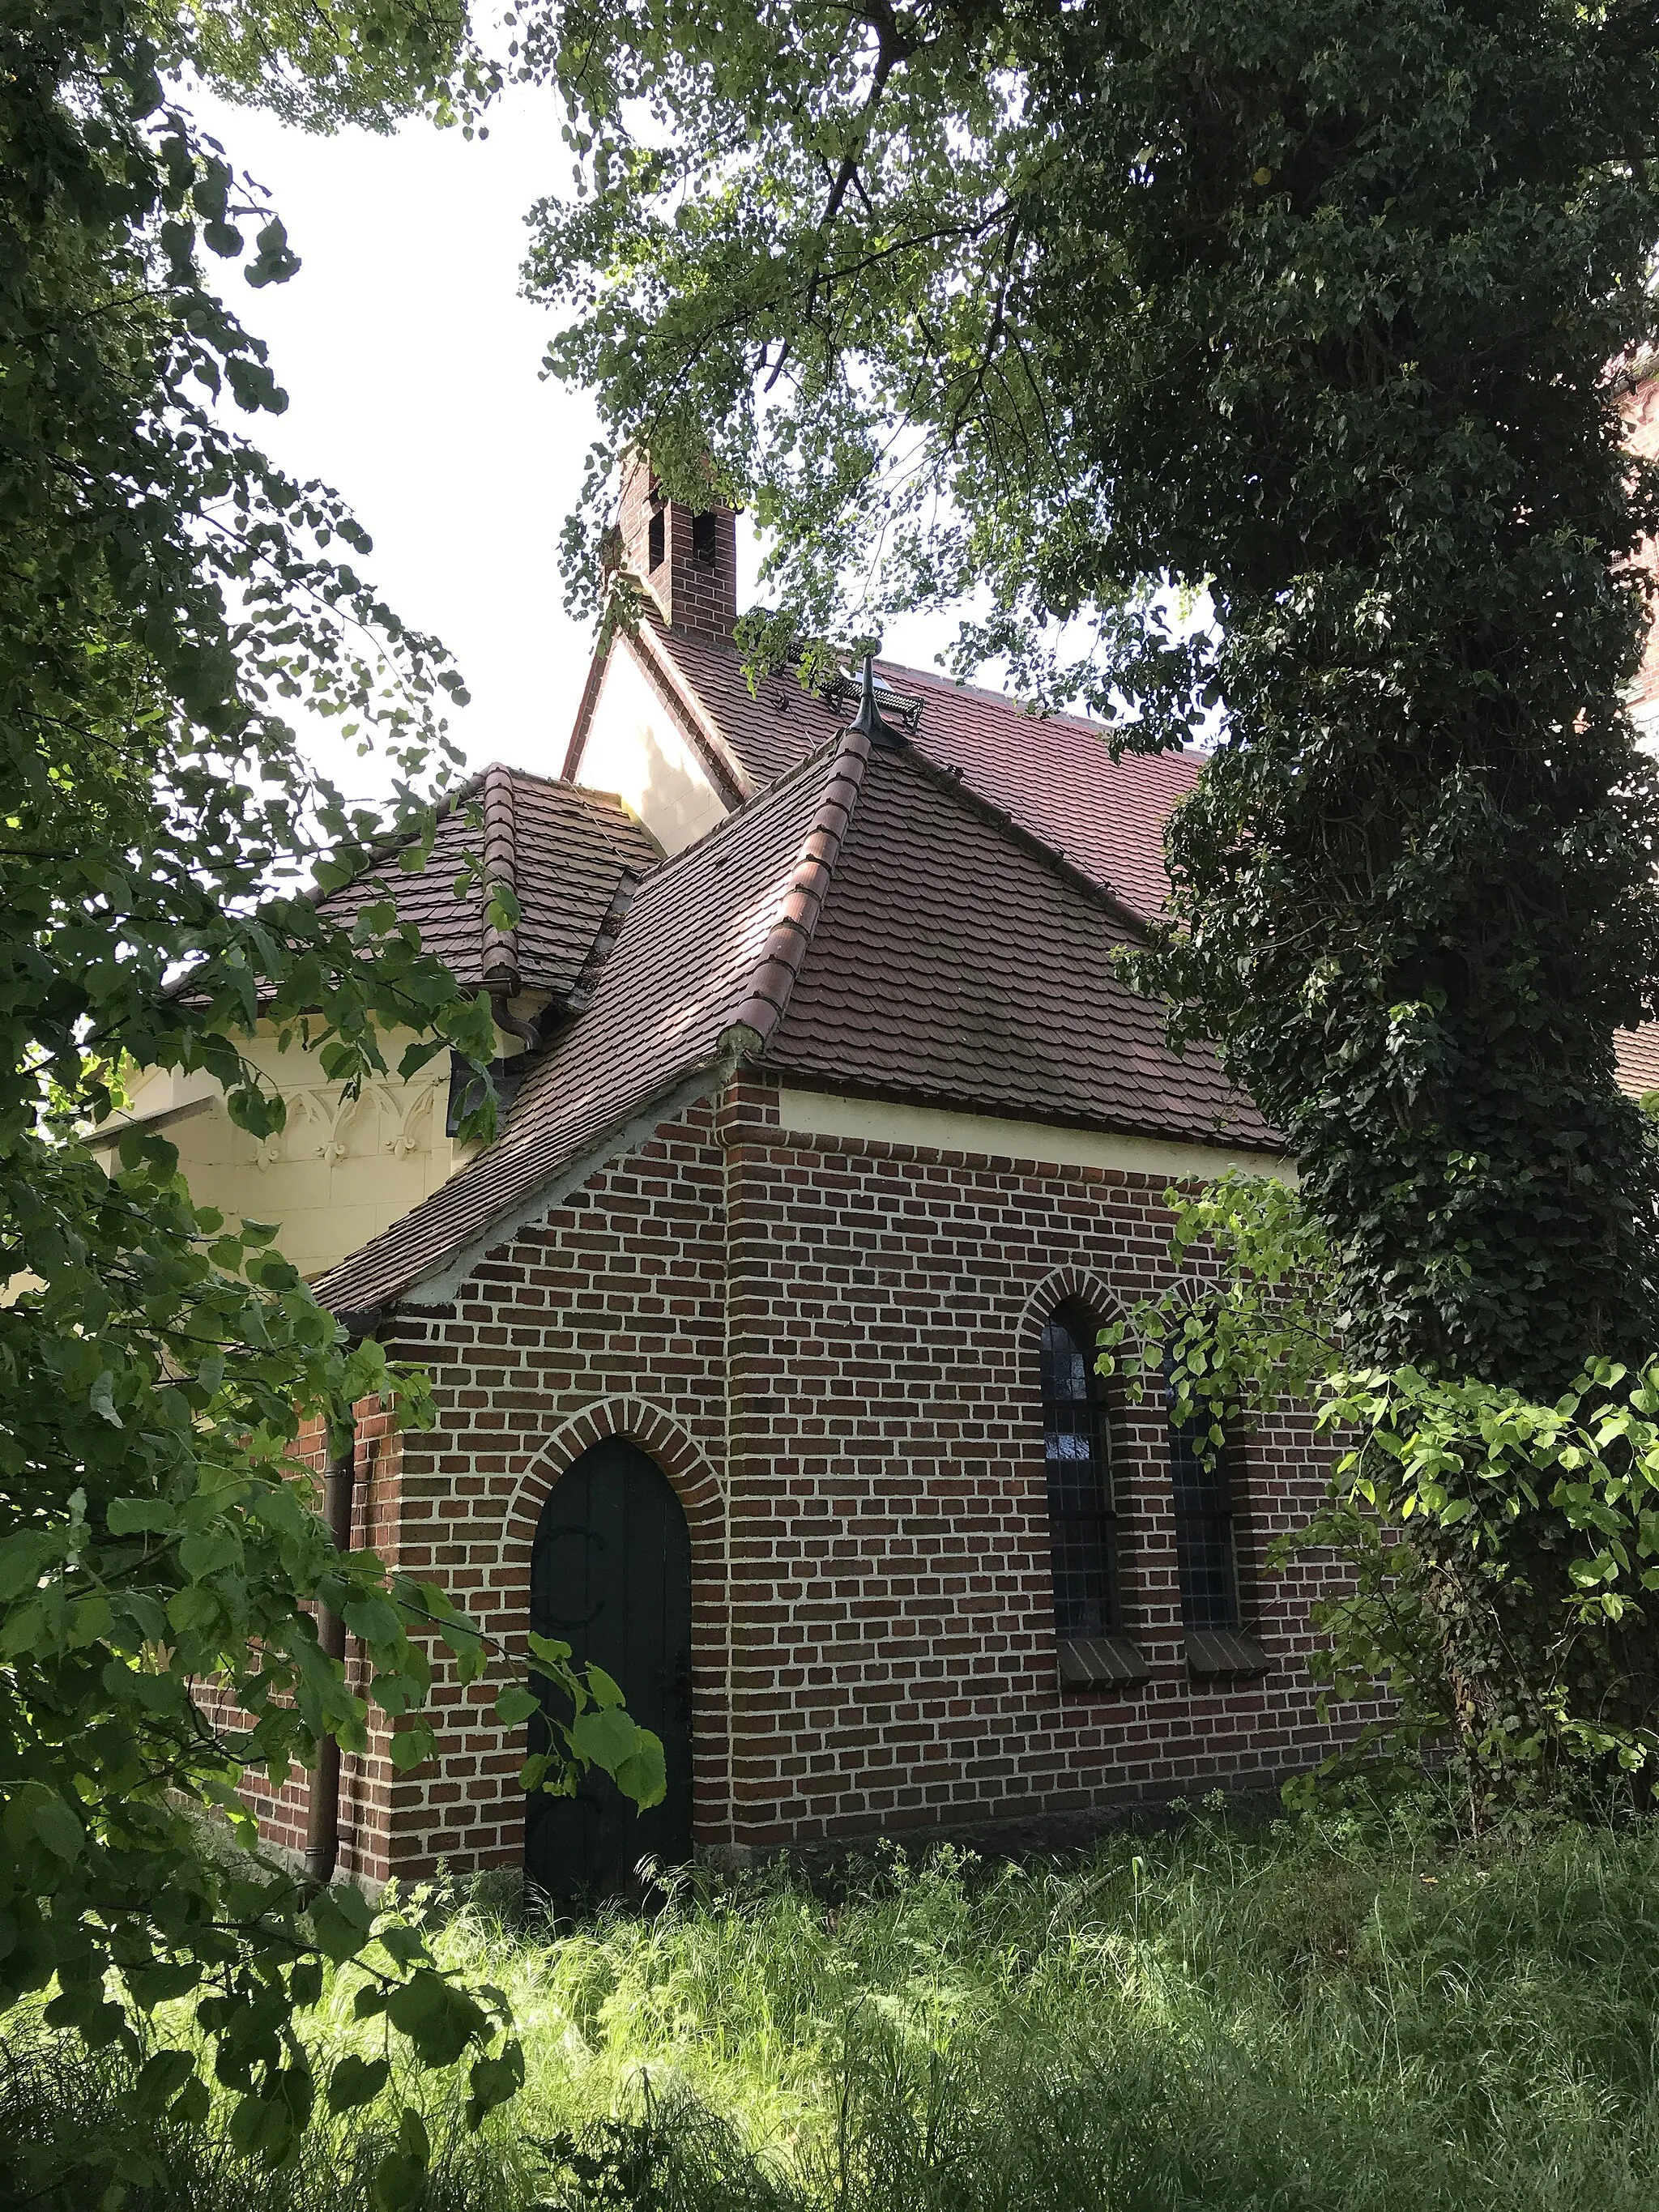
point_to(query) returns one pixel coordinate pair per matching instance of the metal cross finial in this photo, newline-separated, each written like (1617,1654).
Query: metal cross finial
(869,717)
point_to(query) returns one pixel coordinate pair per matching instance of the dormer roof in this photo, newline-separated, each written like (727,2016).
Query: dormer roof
(568,853)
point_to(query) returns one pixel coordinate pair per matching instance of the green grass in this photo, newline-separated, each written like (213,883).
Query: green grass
(1307,2019)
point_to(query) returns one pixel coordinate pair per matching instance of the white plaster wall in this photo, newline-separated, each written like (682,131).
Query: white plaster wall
(876,1120)
(635,748)
(338,1173)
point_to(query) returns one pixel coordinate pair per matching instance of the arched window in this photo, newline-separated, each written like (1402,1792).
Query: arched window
(1206,1555)
(1201,1477)
(1082,1508)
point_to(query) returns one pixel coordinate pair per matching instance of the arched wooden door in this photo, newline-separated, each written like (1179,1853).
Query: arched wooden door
(611,1576)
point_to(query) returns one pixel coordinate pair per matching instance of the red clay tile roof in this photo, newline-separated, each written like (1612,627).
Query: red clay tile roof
(1638,1059)
(565,850)
(771,733)
(1054,775)
(708,943)
(864,921)
(956,962)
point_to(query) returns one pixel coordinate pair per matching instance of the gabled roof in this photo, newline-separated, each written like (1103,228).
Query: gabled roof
(568,853)
(866,921)
(1052,775)
(702,965)
(957,962)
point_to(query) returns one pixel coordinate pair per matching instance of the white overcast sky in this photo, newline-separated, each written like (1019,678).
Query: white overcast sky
(412,370)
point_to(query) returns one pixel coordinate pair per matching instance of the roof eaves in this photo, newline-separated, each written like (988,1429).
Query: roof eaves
(1218,1132)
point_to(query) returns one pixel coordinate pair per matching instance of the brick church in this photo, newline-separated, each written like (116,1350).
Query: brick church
(760,1334)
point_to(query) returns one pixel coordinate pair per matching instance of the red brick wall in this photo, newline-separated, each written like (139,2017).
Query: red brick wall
(611,1317)
(692,594)
(832,1350)
(893,1607)
(365,1780)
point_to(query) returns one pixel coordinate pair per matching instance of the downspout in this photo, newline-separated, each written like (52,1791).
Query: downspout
(323,1813)
(514,1024)
(339,1496)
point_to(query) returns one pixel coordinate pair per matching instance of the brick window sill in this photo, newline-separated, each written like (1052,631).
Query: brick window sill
(1224,1651)
(1101,1662)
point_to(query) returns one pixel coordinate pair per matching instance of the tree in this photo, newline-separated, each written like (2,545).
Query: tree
(1457,1503)
(1305,308)
(163,592)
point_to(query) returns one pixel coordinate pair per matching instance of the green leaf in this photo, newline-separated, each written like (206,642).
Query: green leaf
(193,1610)
(516,1703)
(23,1559)
(160,2078)
(374,1620)
(400,2176)
(193,2103)
(642,1777)
(356,2081)
(492,2081)
(101,1399)
(342,1920)
(261,2127)
(209,1553)
(438,2018)
(604,1737)
(58,1828)
(132,1517)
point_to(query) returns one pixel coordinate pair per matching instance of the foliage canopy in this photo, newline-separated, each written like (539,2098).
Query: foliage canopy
(1310,311)
(165,594)
(1308,307)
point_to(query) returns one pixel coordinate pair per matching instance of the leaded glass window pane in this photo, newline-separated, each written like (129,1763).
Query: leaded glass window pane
(1205,1554)
(1083,1530)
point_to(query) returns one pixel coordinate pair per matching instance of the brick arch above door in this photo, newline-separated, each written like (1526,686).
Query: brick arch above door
(696,1481)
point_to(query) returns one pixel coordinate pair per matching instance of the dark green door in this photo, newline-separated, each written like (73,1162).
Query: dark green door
(611,1576)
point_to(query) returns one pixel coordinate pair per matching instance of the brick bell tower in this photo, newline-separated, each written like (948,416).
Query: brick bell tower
(687,560)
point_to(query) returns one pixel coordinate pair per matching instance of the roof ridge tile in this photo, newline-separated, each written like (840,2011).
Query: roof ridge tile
(763,1005)
(498,952)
